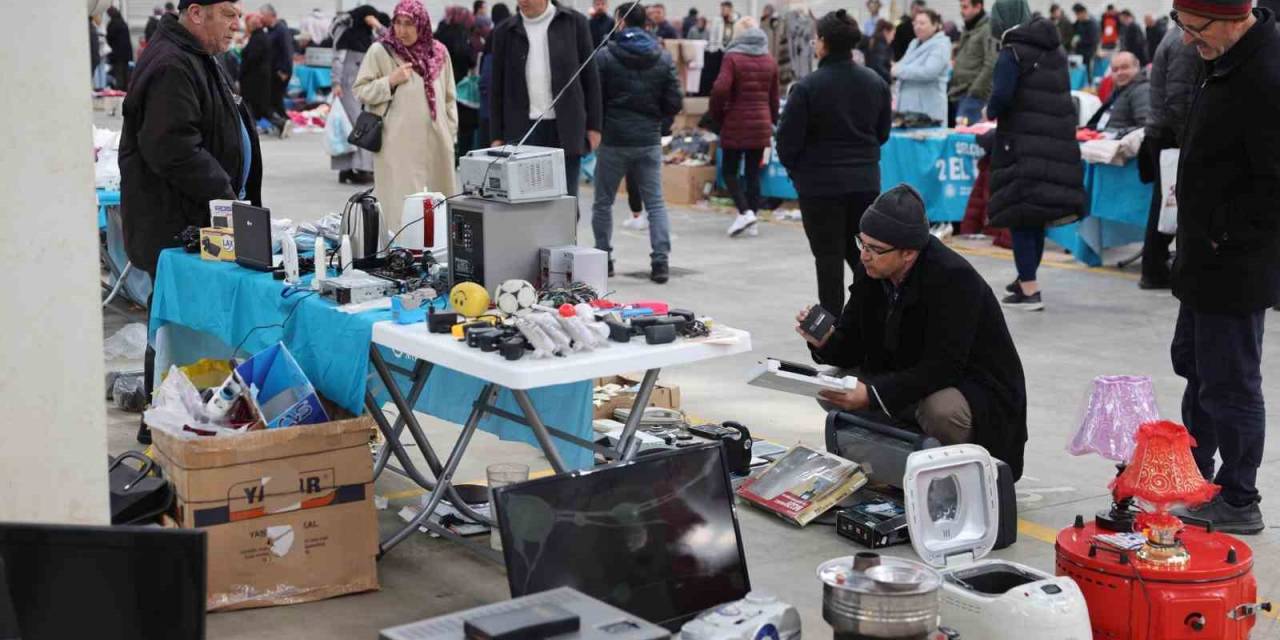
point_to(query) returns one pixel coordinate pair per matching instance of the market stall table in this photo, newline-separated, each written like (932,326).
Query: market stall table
(429,351)
(203,309)
(310,81)
(1118,205)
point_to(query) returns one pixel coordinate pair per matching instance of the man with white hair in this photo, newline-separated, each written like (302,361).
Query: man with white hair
(187,139)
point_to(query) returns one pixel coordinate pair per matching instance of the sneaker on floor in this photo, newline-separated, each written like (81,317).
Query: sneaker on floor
(1226,517)
(638,223)
(741,223)
(610,267)
(286,129)
(660,273)
(1020,300)
(753,231)
(1014,287)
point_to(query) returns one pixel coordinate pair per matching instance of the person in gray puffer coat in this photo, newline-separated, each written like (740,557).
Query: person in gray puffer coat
(1129,106)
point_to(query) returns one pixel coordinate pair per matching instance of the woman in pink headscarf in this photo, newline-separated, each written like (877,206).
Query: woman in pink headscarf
(406,77)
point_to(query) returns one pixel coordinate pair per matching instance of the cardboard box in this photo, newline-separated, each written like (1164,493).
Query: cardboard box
(217,243)
(220,213)
(664,395)
(683,184)
(289,512)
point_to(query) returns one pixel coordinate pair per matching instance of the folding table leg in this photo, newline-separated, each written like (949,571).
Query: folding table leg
(539,430)
(421,371)
(625,448)
(445,483)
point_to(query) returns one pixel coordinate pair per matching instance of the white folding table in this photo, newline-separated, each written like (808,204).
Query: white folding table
(427,350)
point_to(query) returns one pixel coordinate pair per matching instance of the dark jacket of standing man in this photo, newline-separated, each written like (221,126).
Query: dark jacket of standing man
(927,338)
(186,139)
(1227,271)
(281,56)
(256,70)
(121,44)
(519,93)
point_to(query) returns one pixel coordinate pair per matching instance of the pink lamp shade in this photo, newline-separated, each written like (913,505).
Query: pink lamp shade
(1163,472)
(1117,406)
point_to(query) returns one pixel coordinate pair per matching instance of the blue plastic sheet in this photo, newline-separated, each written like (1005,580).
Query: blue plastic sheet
(227,301)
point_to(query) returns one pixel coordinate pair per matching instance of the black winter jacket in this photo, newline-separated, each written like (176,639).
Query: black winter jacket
(1036,176)
(180,145)
(578,111)
(1175,73)
(832,128)
(120,41)
(639,88)
(947,330)
(281,47)
(256,74)
(1229,181)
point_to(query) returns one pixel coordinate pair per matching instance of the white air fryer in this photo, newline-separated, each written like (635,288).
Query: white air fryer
(953,515)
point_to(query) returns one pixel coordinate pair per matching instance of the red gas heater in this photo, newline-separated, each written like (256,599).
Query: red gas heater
(1175,581)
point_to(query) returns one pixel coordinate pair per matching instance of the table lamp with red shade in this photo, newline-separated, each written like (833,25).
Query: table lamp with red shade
(1163,474)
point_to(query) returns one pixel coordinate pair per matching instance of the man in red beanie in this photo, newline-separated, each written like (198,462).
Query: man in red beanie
(1227,272)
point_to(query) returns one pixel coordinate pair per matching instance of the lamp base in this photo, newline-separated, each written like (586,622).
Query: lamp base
(1117,518)
(1168,555)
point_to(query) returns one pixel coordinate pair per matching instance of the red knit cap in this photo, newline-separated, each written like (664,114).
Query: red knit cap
(1216,9)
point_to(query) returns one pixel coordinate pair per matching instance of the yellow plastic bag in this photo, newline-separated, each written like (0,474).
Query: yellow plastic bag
(207,373)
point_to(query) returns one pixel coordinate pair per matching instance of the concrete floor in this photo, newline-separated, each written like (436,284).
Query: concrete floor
(1097,323)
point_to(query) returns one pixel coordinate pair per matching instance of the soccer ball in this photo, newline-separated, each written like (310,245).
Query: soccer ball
(514,296)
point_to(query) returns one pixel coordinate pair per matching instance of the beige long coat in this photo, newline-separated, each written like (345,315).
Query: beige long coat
(417,151)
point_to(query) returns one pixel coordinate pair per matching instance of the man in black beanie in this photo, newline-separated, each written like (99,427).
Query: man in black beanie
(926,338)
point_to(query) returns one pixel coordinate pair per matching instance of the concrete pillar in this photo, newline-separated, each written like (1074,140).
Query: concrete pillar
(53,444)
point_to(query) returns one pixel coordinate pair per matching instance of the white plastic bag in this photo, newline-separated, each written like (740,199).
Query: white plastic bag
(1168,223)
(336,129)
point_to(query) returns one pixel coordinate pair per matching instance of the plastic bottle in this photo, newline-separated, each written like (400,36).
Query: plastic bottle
(289,248)
(321,266)
(344,255)
(220,404)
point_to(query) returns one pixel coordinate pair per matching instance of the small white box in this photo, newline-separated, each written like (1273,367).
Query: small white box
(220,213)
(560,266)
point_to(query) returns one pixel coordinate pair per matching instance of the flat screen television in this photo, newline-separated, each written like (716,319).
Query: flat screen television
(139,583)
(657,537)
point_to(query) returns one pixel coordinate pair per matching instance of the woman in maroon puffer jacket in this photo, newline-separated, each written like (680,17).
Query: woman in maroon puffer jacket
(744,103)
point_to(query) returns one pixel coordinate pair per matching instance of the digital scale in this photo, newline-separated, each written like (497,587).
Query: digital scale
(953,511)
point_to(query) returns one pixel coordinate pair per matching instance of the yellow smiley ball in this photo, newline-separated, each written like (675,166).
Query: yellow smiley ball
(469,299)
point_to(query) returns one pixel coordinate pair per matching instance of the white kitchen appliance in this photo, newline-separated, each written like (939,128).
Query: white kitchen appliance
(953,508)
(514,174)
(433,234)
(756,617)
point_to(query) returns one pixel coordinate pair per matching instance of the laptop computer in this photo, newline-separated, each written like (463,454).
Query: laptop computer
(251,227)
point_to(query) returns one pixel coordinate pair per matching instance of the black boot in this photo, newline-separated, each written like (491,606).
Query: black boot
(144,433)
(660,273)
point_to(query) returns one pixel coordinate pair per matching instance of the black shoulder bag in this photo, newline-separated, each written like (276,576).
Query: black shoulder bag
(366,133)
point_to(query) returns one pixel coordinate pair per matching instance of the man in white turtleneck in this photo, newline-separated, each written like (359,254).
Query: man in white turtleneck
(534,57)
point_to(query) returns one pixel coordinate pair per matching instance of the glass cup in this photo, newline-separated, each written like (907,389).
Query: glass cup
(501,475)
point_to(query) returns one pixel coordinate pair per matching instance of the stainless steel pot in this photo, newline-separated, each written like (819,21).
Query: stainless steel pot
(873,596)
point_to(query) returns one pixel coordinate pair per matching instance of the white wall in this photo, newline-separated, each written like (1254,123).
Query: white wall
(53,444)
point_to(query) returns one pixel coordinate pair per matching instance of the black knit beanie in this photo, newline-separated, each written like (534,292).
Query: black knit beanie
(898,219)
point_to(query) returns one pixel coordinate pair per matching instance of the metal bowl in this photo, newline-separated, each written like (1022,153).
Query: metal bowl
(896,598)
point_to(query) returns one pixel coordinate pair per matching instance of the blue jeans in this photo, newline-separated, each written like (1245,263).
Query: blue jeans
(1220,356)
(644,164)
(971,108)
(1028,248)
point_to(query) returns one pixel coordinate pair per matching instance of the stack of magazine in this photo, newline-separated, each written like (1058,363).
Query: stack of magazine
(803,484)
